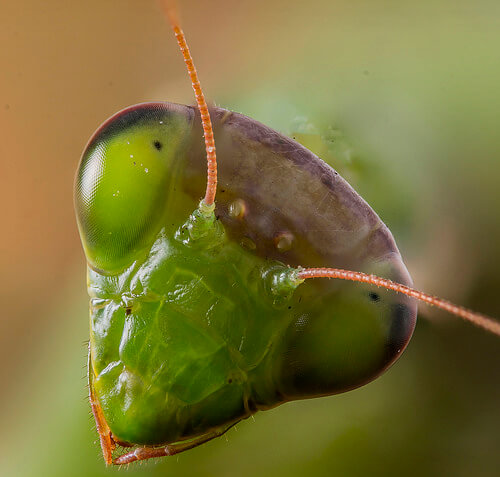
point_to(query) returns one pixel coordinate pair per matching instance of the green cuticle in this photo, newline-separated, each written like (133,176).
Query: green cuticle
(202,228)
(280,283)
(285,281)
(293,278)
(206,210)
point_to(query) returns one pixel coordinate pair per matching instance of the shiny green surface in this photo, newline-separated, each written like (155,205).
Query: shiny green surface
(190,340)
(187,336)
(121,190)
(175,349)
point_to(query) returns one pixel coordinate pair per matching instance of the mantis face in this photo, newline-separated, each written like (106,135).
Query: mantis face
(199,314)
(191,330)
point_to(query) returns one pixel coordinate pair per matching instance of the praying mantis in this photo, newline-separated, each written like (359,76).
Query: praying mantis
(199,311)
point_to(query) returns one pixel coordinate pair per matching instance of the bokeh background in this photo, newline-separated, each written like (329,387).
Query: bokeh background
(402,97)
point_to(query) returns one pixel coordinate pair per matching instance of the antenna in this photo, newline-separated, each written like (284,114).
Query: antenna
(297,276)
(171,11)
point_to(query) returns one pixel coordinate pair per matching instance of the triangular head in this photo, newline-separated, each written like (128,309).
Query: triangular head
(187,334)
(199,311)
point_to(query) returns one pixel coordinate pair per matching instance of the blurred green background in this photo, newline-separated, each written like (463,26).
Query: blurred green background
(408,91)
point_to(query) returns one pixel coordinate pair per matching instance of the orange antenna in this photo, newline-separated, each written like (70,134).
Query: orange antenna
(477,319)
(170,9)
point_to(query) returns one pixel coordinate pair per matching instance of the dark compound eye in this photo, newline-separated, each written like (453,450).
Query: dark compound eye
(158,145)
(374,296)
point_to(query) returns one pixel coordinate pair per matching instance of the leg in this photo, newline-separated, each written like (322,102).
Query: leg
(107,443)
(142,453)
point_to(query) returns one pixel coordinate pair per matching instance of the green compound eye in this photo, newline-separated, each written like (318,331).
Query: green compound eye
(122,184)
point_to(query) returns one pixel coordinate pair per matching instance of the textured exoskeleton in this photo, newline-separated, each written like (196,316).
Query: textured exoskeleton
(186,334)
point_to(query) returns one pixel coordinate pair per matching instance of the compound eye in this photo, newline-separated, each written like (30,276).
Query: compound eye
(122,188)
